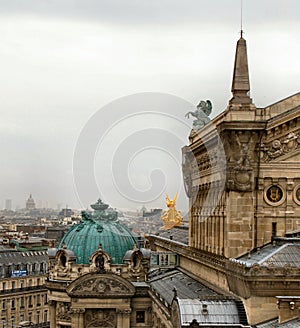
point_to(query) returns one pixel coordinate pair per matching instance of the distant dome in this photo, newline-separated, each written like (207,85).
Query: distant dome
(30,204)
(98,227)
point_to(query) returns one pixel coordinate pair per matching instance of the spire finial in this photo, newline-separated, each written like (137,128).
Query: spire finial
(240,82)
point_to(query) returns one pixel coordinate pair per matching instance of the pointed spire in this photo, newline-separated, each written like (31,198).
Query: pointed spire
(240,82)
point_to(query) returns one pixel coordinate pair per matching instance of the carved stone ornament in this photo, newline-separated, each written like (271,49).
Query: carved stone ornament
(240,153)
(282,146)
(187,169)
(100,318)
(63,311)
(78,310)
(100,286)
(274,195)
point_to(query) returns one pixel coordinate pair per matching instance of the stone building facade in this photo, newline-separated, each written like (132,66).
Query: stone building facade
(23,296)
(241,173)
(103,283)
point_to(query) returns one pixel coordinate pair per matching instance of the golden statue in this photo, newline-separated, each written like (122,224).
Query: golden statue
(171,218)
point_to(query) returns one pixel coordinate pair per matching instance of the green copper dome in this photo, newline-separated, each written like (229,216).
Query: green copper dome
(95,228)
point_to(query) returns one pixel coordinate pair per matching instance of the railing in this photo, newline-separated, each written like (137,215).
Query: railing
(37,325)
(24,289)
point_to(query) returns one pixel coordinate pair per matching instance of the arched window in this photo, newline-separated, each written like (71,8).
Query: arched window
(62,260)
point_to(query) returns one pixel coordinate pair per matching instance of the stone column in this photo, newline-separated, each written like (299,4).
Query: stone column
(52,313)
(123,318)
(78,318)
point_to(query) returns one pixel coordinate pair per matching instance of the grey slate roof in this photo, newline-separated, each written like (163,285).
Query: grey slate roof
(279,256)
(275,324)
(12,257)
(164,283)
(178,234)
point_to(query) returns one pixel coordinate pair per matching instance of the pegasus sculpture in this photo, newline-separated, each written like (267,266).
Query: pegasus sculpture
(201,114)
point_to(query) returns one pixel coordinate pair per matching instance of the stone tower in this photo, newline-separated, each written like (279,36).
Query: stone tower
(239,171)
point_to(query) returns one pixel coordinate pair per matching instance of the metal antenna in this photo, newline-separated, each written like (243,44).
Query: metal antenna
(241,18)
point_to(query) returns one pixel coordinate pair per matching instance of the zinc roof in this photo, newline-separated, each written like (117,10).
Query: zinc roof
(208,311)
(295,323)
(280,256)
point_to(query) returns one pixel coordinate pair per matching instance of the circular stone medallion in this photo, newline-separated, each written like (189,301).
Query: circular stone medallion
(296,194)
(274,195)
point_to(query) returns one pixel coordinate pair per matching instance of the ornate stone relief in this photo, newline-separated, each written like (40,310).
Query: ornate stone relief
(274,195)
(240,148)
(99,286)
(100,318)
(281,146)
(63,311)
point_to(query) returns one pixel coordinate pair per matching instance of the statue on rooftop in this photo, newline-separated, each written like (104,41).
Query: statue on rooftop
(201,114)
(171,218)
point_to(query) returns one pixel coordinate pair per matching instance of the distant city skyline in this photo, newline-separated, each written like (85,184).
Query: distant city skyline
(61,63)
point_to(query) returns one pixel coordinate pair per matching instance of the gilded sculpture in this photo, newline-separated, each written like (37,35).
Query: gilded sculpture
(171,218)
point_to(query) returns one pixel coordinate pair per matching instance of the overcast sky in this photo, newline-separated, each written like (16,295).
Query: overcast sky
(61,61)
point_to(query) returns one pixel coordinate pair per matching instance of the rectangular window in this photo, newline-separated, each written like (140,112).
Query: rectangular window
(13,305)
(173,260)
(30,301)
(38,300)
(22,302)
(274,229)
(45,316)
(13,285)
(3,304)
(140,316)
(3,286)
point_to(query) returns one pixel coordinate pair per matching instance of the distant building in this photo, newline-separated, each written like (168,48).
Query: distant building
(8,204)
(66,213)
(30,204)
(152,212)
(23,296)
(56,232)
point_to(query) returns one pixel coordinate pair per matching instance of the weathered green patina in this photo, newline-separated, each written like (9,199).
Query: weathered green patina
(98,227)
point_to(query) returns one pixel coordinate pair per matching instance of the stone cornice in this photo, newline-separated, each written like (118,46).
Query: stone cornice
(213,261)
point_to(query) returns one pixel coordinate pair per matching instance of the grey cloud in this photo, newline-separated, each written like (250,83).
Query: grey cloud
(153,12)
